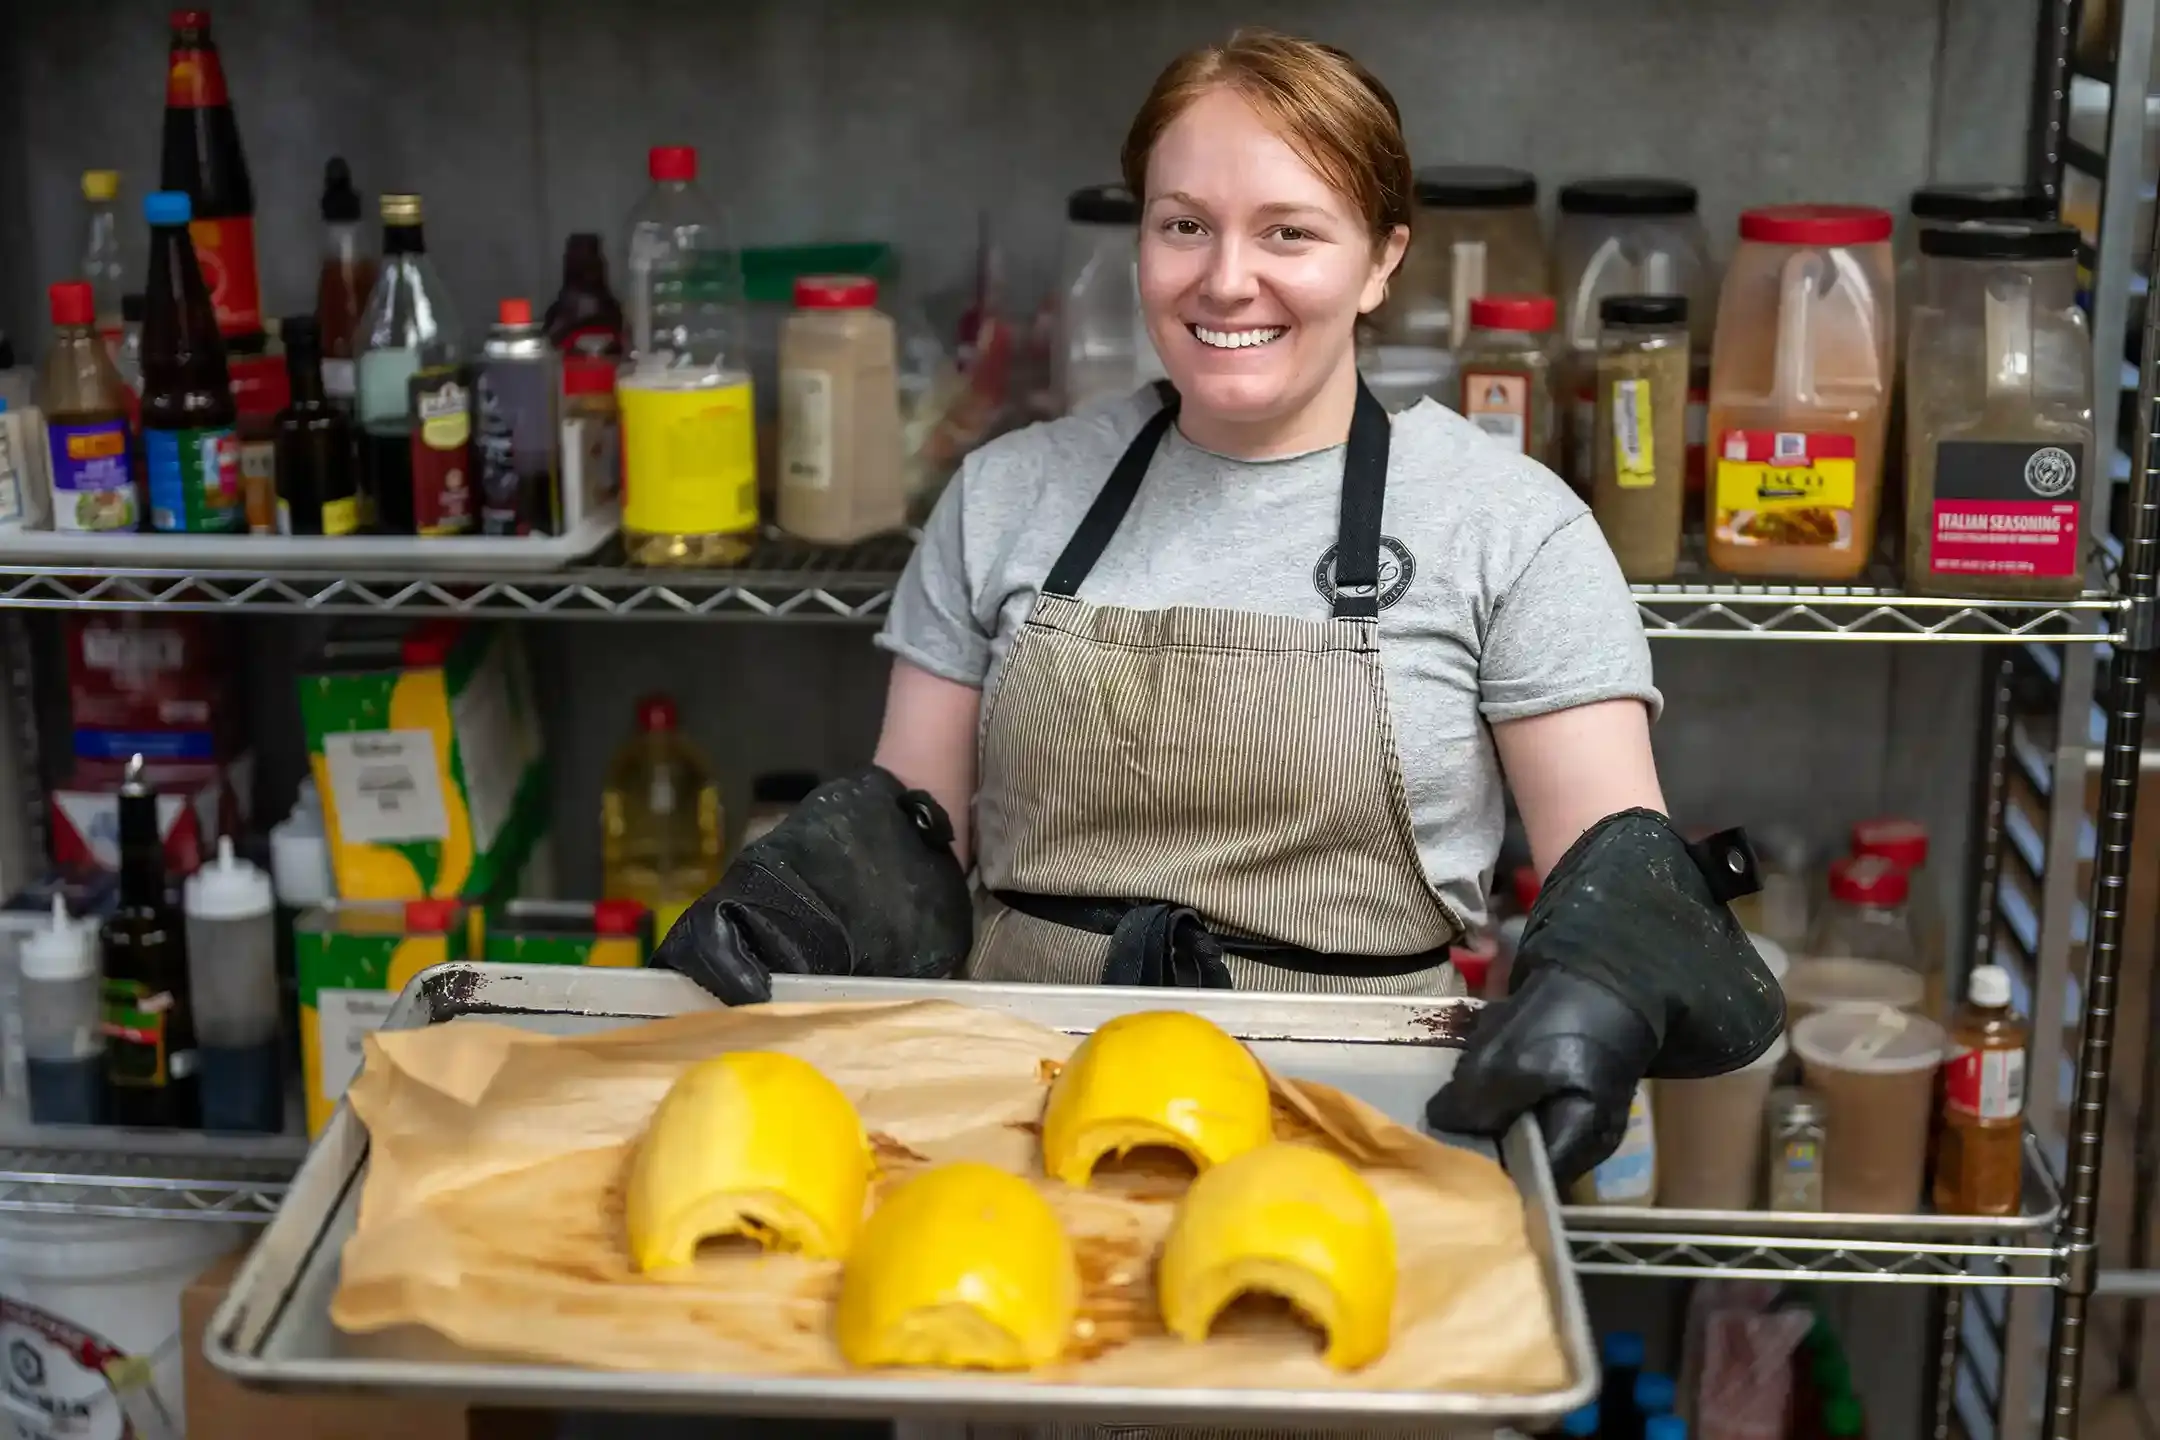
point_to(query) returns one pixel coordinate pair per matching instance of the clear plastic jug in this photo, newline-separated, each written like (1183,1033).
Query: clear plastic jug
(1103,352)
(1628,235)
(1476,233)
(1934,206)
(1998,414)
(1800,392)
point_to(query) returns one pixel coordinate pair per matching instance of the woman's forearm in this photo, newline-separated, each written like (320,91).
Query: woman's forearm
(1571,768)
(928,742)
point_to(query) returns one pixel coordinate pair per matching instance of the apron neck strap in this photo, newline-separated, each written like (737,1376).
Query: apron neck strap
(1364,489)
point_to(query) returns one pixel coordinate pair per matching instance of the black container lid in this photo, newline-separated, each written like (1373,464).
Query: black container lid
(299,332)
(1643,310)
(133,305)
(1627,195)
(783,787)
(340,202)
(1985,240)
(1103,205)
(1475,187)
(1958,203)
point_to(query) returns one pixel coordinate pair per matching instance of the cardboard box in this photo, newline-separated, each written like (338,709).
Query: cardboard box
(426,750)
(197,802)
(615,934)
(153,685)
(350,960)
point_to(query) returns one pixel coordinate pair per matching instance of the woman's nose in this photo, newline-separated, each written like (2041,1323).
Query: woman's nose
(1230,276)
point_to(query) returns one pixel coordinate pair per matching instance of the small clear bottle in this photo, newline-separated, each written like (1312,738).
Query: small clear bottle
(104,264)
(63,1042)
(1861,951)
(1904,843)
(1505,373)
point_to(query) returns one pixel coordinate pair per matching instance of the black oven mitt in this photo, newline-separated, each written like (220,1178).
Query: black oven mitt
(1631,966)
(859,879)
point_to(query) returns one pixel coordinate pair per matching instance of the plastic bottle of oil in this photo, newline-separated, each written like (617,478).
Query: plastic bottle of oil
(1979,1164)
(660,821)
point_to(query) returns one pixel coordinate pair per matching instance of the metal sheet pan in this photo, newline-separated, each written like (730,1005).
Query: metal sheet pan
(273,1330)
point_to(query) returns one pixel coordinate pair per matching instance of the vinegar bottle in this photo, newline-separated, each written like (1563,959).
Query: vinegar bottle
(660,830)
(1979,1166)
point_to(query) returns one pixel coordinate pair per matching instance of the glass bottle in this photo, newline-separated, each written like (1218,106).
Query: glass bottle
(344,284)
(86,421)
(415,419)
(150,1064)
(191,453)
(318,493)
(585,320)
(103,265)
(660,820)
(1506,365)
(1980,1159)
(204,160)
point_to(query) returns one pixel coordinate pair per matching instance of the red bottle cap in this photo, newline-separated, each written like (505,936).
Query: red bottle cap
(1868,880)
(430,643)
(1474,968)
(1512,312)
(1815,225)
(72,303)
(190,19)
(656,712)
(618,917)
(430,917)
(514,312)
(672,162)
(1904,843)
(1527,885)
(835,292)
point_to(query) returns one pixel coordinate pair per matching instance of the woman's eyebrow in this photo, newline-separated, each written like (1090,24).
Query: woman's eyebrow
(1278,207)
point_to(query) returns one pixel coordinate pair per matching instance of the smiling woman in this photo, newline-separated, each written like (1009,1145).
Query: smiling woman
(1222,685)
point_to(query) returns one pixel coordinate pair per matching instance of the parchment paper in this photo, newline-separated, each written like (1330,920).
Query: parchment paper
(493,1214)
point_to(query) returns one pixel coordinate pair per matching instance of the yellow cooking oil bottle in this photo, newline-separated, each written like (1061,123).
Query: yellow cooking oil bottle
(660,820)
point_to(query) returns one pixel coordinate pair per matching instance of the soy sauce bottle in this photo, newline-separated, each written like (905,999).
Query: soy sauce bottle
(203,160)
(150,1066)
(191,453)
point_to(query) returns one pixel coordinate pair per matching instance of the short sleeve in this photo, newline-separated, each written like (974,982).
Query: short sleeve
(932,624)
(1565,633)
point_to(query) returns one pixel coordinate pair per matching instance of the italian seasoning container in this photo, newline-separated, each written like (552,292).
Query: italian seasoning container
(1639,478)
(1506,373)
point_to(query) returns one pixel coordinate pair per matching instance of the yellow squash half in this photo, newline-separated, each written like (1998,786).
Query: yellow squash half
(750,1143)
(964,1267)
(1287,1220)
(1160,1077)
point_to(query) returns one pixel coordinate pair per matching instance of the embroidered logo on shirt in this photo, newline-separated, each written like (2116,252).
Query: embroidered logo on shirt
(1398,567)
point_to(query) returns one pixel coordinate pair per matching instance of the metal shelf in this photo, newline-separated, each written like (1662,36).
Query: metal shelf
(145,1175)
(1827,1258)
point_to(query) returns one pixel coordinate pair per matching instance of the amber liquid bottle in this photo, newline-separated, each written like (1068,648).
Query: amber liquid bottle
(343,287)
(150,1071)
(203,159)
(1979,1162)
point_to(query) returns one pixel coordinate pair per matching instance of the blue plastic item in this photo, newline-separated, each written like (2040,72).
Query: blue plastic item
(1580,1424)
(168,207)
(1654,1395)
(1665,1427)
(1622,1349)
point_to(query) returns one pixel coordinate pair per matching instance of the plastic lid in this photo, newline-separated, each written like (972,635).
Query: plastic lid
(656,712)
(133,306)
(228,888)
(1474,968)
(1103,205)
(1643,310)
(1526,885)
(1475,187)
(168,207)
(1822,983)
(1627,195)
(1902,842)
(190,19)
(63,950)
(1957,204)
(1988,985)
(1774,957)
(672,162)
(72,303)
(1654,1393)
(783,787)
(399,209)
(1869,1039)
(1664,1427)
(300,860)
(618,917)
(1512,312)
(100,185)
(430,642)
(1841,1415)
(585,375)
(1582,1423)
(1815,225)
(340,202)
(514,312)
(1623,1350)
(835,292)
(2004,240)
(432,917)
(1869,880)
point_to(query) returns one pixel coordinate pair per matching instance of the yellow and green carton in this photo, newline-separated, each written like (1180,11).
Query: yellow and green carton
(351,959)
(606,933)
(426,749)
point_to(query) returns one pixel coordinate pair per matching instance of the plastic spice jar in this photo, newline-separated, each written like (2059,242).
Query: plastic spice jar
(840,471)
(1639,481)
(1476,233)
(1506,372)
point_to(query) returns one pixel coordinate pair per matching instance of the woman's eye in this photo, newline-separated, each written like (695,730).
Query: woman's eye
(1181,227)
(1293,234)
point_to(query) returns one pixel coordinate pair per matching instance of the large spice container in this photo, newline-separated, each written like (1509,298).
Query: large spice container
(1506,378)
(1102,352)
(1628,235)
(1933,207)
(1639,486)
(1998,414)
(1476,233)
(840,475)
(1800,392)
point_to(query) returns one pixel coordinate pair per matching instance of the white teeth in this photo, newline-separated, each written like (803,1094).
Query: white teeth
(1236,339)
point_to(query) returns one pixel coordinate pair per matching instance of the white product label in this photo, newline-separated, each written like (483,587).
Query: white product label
(343,1019)
(57,1369)
(497,741)
(1629,1177)
(806,429)
(338,379)
(15,459)
(383,377)
(386,787)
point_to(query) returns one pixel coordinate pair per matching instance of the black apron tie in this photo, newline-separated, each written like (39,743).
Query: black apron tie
(1166,946)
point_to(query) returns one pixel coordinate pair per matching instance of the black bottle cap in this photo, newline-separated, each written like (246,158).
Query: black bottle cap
(1955,204)
(300,333)
(1643,310)
(133,306)
(1627,195)
(340,202)
(1986,240)
(1103,205)
(1475,187)
(138,811)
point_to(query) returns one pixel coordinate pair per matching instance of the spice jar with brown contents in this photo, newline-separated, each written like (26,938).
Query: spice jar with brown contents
(1639,484)
(1506,373)
(840,457)
(1979,1165)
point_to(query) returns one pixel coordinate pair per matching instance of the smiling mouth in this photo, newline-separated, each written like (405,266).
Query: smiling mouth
(1238,339)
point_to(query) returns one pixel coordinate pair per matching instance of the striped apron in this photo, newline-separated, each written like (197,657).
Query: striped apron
(1204,796)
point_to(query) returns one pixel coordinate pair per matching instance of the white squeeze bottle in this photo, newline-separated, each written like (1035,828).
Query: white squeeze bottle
(63,1044)
(233,986)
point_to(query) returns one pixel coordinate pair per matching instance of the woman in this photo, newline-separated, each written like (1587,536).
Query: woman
(1271,673)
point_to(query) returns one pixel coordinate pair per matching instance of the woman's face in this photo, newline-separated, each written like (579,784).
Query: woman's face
(1253,269)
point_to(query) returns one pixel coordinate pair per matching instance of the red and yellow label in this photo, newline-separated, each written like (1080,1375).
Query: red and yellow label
(194,80)
(225,249)
(1783,487)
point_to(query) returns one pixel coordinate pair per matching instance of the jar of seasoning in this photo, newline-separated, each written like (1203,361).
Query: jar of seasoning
(591,438)
(1936,207)
(1476,232)
(1639,479)
(1794,1131)
(840,456)
(1506,364)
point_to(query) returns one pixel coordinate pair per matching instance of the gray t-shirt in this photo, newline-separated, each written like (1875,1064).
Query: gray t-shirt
(1500,599)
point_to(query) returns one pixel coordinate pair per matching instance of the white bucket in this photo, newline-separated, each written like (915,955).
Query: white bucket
(76,1293)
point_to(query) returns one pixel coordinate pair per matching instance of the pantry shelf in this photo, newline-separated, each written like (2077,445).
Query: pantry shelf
(1826,1259)
(138,1176)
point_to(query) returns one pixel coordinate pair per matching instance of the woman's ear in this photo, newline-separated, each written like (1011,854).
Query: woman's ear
(1387,254)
